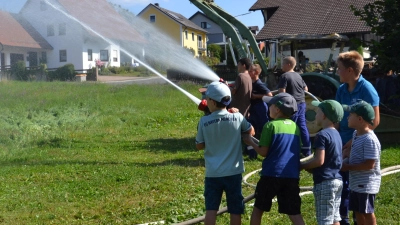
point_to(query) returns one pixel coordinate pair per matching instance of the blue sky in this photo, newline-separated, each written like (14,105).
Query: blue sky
(184,7)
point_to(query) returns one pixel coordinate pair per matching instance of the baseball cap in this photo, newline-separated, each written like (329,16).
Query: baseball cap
(217,91)
(332,109)
(363,109)
(284,101)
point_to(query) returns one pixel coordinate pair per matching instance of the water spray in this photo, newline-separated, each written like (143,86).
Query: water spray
(192,97)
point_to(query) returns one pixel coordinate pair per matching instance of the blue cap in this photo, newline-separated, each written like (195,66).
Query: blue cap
(217,91)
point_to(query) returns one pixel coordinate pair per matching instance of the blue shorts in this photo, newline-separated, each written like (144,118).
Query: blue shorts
(361,202)
(327,195)
(232,185)
(287,191)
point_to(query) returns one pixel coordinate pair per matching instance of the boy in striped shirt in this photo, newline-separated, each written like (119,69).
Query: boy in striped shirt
(364,162)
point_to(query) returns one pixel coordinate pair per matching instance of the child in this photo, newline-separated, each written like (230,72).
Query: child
(280,145)
(354,87)
(219,134)
(292,83)
(326,164)
(364,162)
(258,108)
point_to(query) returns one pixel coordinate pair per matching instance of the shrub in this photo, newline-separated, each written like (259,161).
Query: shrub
(18,71)
(64,73)
(210,61)
(215,51)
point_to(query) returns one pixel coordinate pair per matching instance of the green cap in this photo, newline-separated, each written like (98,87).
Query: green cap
(363,109)
(332,109)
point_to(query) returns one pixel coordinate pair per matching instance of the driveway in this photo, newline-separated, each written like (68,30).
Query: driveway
(131,80)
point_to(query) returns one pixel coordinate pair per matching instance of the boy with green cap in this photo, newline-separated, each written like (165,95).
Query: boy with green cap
(364,162)
(326,164)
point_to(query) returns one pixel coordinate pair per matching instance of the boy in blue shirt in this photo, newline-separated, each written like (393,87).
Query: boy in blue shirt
(219,134)
(280,145)
(326,164)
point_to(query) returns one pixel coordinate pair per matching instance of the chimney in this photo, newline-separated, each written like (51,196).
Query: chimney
(156,4)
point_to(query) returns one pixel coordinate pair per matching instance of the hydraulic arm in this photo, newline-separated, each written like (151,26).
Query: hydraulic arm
(228,23)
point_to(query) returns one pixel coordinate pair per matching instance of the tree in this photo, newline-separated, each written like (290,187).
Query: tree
(383,17)
(215,51)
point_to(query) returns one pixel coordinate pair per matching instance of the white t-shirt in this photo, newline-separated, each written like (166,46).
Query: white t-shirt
(366,146)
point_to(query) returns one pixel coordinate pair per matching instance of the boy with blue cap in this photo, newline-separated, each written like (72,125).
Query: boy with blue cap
(280,144)
(219,134)
(326,163)
(364,162)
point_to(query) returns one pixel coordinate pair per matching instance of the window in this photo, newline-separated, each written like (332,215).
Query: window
(205,25)
(43,6)
(50,30)
(115,56)
(89,55)
(44,58)
(192,36)
(63,55)
(103,55)
(152,18)
(186,34)
(62,29)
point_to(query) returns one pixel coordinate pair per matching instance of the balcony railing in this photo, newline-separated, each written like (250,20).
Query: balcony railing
(201,45)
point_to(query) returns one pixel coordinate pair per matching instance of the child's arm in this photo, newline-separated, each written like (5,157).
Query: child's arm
(317,161)
(262,150)
(368,164)
(200,146)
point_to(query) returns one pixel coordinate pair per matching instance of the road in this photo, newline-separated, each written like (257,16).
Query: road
(131,80)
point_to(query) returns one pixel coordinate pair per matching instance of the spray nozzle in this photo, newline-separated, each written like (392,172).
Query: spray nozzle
(203,105)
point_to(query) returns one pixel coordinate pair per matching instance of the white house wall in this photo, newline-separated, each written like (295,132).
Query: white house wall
(76,41)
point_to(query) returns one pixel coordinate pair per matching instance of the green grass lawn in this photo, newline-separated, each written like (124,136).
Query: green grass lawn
(88,153)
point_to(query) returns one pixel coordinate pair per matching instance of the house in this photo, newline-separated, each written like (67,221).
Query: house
(215,34)
(19,41)
(183,31)
(81,32)
(322,17)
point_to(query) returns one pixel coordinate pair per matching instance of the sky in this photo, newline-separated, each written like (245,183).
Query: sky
(234,7)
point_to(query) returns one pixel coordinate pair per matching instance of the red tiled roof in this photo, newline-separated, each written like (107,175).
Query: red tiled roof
(310,17)
(17,32)
(102,18)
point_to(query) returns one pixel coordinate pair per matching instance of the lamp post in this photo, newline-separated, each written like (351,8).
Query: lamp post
(1,66)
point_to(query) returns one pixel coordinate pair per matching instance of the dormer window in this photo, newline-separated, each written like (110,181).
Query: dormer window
(152,18)
(205,25)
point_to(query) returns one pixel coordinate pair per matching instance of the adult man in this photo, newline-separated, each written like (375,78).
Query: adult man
(241,91)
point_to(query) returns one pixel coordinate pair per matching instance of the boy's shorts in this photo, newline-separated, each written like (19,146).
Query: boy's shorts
(287,191)
(361,202)
(232,185)
(327,195)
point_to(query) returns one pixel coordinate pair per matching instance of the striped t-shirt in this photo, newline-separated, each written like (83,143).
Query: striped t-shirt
(366,146)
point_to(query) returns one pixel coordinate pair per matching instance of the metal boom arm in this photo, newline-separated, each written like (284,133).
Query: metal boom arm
(225,21)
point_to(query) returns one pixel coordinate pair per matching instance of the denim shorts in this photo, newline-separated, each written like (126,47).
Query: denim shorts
(232,185)
(362,202)
(327,195)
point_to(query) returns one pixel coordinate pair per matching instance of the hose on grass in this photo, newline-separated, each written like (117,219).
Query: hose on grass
(306,190)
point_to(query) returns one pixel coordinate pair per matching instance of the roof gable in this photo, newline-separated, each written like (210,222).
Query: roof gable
(17,32)
(176,17)
(311,17)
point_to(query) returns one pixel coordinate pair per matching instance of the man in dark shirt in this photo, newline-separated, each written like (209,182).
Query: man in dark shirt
(292,83)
